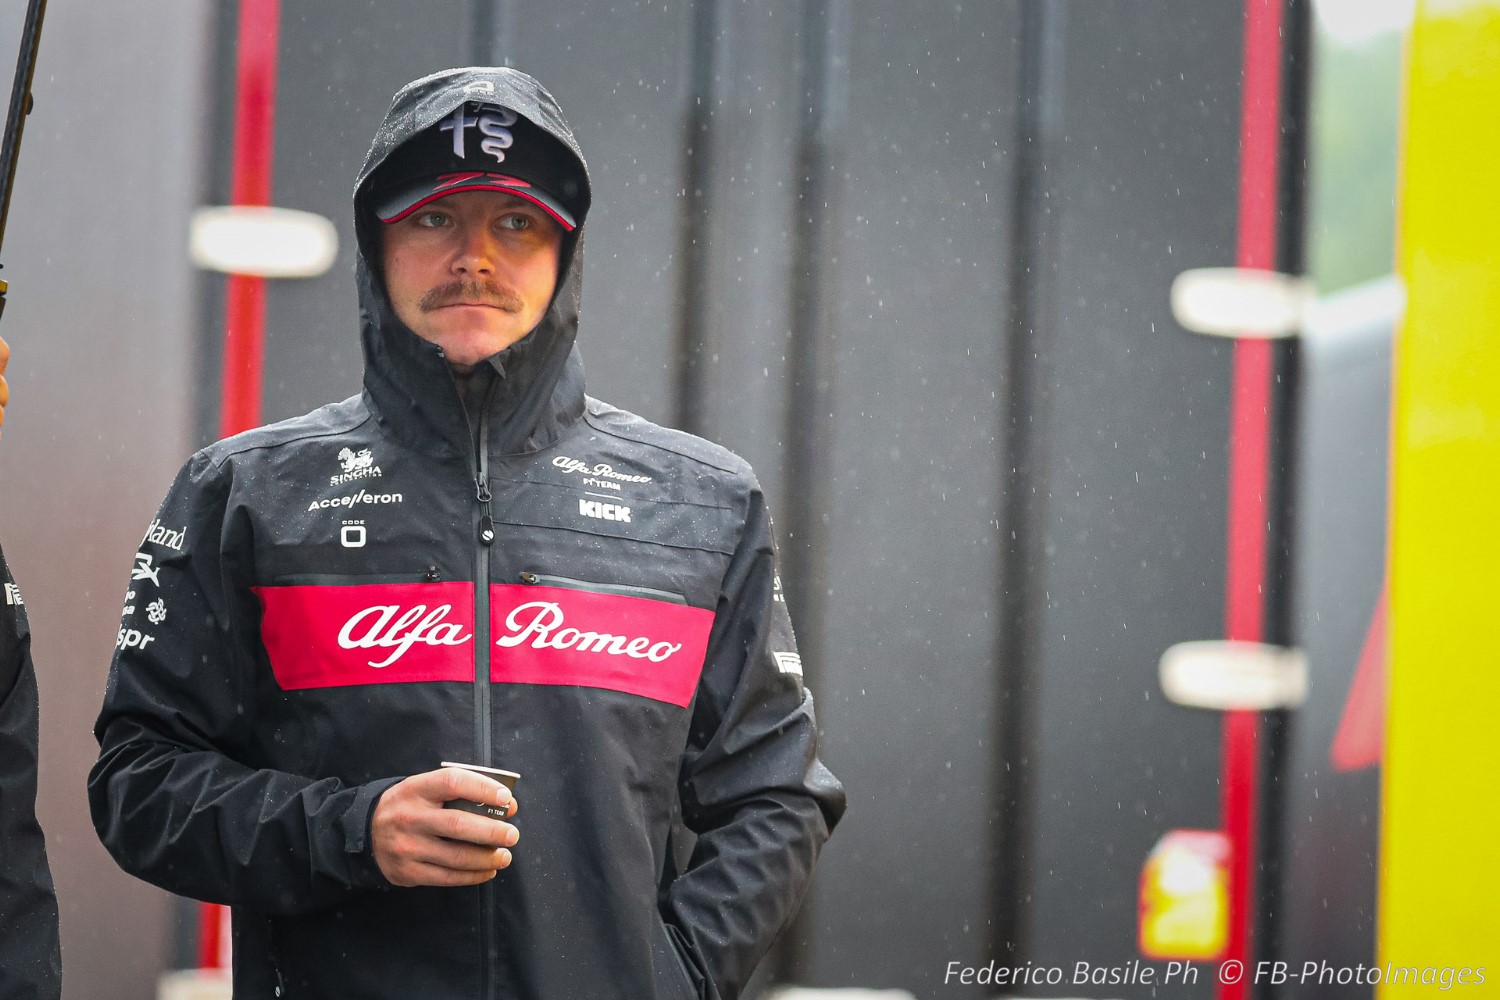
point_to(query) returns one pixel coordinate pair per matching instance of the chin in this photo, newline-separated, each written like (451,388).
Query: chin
(464,343)
(470,351)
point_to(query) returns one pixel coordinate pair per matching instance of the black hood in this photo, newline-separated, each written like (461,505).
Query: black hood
(407,381)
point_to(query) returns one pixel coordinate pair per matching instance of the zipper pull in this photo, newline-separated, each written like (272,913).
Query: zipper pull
(528,578)
(482,470)
(486,522)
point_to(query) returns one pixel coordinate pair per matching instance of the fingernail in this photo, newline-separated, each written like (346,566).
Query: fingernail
(504,855)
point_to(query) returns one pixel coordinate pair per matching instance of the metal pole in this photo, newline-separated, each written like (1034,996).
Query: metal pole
(816,233)
(494,38)
(1266,933)
(1042,52)
(15,121)
(696,209)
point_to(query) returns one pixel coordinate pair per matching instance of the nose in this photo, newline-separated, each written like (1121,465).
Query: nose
(475,253)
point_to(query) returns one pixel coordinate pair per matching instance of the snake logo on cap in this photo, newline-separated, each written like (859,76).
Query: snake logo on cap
(493,122)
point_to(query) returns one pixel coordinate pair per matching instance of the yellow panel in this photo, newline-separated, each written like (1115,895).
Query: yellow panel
(1440,865)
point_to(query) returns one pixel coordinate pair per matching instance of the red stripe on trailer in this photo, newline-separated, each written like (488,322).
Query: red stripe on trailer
(209,927)
(1249,460)
(245,297)
(250,184)
(1359,741)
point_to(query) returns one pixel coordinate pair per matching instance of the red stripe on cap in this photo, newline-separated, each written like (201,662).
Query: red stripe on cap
(448,180)
(551,635)
(339,636)
(493,186)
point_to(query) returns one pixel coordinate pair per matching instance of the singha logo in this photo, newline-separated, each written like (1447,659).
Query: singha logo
(356,460)
(357,465)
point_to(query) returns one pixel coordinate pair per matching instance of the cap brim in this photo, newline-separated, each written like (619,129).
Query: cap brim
(404,199)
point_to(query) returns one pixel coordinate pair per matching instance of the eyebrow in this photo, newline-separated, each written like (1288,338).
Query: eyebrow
(530,206)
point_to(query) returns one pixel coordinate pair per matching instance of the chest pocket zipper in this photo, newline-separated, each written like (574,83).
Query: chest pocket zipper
(618,590)
(430,575)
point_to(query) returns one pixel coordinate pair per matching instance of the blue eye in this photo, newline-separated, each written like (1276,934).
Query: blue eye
(516,222)
(432,219)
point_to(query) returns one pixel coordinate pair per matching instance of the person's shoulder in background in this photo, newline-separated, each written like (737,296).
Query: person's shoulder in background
(4,386)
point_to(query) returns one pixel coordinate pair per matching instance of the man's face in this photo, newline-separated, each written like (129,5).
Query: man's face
(473,272)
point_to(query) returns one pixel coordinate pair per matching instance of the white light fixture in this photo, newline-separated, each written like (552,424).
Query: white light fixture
(1378,302)
(1234,676)
(1354,22)
(264,242)
(1240,302)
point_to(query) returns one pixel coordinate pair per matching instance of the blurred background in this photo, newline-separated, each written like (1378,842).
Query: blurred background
(916,262)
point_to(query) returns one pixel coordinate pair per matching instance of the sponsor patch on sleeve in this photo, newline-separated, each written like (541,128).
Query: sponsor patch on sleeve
(788,663)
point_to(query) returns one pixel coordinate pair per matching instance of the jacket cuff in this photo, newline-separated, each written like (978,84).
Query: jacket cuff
(364,873)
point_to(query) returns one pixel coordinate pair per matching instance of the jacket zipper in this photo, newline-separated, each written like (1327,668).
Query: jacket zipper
(620,590)
(485,537)
(484,530)
(430,575)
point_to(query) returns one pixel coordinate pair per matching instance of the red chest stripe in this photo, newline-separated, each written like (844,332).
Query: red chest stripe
(378,633)
(336,636)
(549,635)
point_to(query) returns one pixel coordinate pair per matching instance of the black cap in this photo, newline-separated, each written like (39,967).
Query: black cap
(480,147)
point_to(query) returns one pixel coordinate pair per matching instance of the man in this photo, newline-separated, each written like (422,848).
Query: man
(470,562)
(30,961)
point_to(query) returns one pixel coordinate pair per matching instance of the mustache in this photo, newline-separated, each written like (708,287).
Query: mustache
(470,292)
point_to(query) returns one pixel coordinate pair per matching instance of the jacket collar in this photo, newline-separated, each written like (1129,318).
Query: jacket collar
(410,388)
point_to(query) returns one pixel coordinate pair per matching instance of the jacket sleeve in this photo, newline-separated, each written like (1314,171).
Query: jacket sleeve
(30,962)
(751,784)
(175,794)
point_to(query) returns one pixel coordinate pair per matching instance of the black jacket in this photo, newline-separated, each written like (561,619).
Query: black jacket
(30,965)
(315,613)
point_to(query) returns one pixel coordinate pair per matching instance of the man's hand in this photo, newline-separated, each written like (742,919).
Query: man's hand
(4,388)
(418,842)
